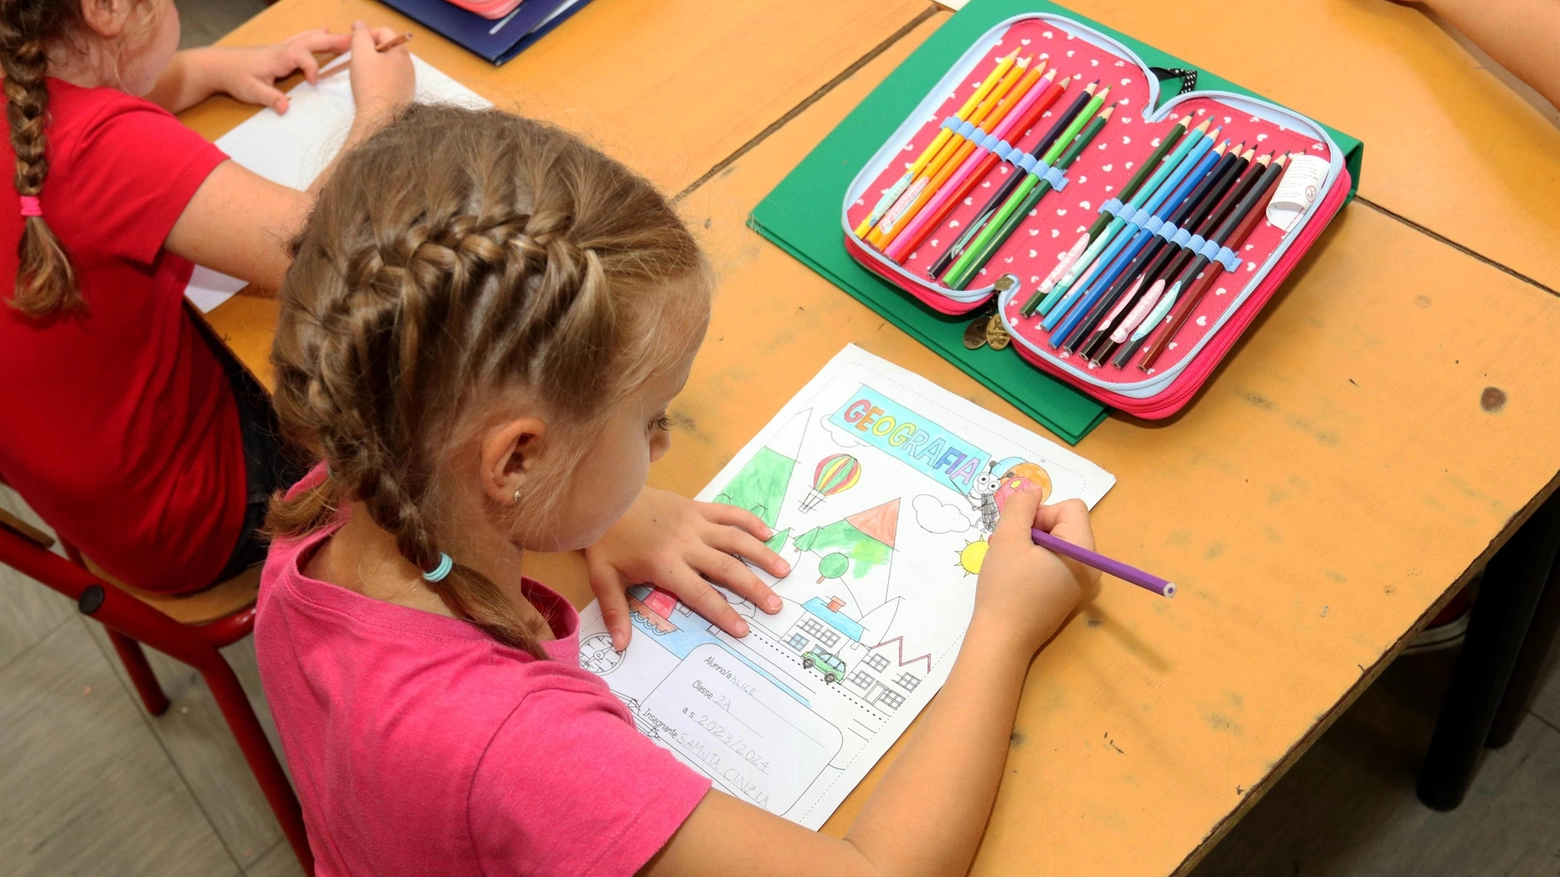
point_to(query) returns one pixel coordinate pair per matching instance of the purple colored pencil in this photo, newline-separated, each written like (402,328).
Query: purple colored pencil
(1102,563)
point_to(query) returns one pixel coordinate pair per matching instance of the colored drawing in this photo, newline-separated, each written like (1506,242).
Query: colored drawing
(833,566)
(760,486)
(972,556)
(836,473)
(791,716)
(776,542)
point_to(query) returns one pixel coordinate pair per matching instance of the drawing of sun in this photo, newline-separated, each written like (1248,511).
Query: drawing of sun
(971,557)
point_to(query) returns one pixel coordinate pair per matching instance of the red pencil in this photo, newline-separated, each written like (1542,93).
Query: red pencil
(907,243)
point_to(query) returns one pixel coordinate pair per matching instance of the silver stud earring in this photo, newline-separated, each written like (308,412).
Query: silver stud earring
(517,495)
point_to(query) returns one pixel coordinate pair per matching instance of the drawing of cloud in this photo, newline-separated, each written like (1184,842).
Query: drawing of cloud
(936,516)
(839,436)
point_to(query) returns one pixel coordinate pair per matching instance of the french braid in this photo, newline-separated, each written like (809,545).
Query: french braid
(454,254)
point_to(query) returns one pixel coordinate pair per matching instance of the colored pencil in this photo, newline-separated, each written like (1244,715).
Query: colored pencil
(1130,237)
(1028,193)
(975,169)
(400,39)
(978,119)
(1232,235)
(903,183)
(1150,260)
(1166,143)
(1058,294)
(1175,258)
(1001,123)
(1129,574)
(1232,200)
(1062,123)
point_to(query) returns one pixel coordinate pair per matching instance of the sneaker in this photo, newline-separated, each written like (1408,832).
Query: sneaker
(1449,625)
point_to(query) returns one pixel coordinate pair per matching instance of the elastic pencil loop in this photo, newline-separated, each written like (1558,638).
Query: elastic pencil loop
(1003,149)
(1026,162)
(1139,218)
(1182,235)
(952,123)
(1228,258)
(1113,207)
(1168,231)
(965,129)
(1193,243)
(1209,250)
(987,142)
(1056,178)
(440,570)
(1153,223)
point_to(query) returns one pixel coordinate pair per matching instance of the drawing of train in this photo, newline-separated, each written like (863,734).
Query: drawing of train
(832,668)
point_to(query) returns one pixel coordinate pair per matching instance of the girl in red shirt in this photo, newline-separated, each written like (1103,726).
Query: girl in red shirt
(121,422)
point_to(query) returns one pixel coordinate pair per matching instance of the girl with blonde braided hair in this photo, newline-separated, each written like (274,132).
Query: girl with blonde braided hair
(483,328)
(120,423)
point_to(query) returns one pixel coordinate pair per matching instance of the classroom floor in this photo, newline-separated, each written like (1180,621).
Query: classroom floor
(95,786)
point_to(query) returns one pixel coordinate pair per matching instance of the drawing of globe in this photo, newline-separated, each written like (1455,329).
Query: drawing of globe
(598,656)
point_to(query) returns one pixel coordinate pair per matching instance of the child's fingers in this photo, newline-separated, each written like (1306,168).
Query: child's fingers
(608,588)
(322,40)
(1018,518)
(723,569)
(303,60)
(1067,520)
(748,547)
(706,601)
(384,35)
(263,94)
(720,513)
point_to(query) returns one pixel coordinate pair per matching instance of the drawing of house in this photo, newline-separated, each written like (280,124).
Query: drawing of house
(871,673)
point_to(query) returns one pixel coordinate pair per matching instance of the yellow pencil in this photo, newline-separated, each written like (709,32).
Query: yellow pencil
(891,216)
(894,191)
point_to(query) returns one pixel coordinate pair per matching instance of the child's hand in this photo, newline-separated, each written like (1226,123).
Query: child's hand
(1025,588)
(671,542)
(382,82)
(250,74)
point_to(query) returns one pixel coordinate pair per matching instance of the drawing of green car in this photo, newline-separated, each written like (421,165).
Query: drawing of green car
(832,668)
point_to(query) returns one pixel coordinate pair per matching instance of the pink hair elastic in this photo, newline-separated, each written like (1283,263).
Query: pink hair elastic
(30,206)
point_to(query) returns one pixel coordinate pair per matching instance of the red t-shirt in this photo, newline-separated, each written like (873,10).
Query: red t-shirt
(119,427)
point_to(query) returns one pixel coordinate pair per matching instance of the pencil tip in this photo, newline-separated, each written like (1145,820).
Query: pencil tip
(1066,82)
(1090,89)
(1107,111)
(1204,126)
(1095,82)
(1102,95)
(1185,121)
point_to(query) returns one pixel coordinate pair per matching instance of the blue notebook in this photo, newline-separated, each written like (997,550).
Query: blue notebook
(496,40)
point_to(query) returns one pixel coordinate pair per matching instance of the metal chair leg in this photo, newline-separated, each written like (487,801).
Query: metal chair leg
(1513,586)
(262,758)
(134,659)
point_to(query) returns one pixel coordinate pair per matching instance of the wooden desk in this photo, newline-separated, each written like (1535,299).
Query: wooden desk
(1447,145)
(1372,437)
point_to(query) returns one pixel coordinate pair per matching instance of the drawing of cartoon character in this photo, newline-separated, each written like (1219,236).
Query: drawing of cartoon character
(982,497)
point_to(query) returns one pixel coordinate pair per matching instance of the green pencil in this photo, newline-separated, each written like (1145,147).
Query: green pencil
(1002,224)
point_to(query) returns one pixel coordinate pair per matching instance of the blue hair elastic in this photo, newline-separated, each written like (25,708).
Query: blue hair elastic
(443,568)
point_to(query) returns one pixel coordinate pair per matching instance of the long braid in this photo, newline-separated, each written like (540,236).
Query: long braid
(45,279)
(511,257)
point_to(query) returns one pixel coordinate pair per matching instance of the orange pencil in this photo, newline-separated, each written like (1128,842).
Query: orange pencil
(978,119)
(399,40)
(930,190)
(894,191)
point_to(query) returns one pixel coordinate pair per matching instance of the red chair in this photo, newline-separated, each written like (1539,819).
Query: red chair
(189,629)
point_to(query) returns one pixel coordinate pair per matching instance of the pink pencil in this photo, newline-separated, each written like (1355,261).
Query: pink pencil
(1020,120)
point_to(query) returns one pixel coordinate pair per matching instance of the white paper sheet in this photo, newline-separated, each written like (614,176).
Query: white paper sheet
(882,489)
(293,149)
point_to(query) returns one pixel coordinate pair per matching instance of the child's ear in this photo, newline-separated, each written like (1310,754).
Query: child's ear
(107,18)
(509,454)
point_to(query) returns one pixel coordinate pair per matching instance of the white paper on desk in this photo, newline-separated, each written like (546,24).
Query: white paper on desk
(882,489)
(293,149)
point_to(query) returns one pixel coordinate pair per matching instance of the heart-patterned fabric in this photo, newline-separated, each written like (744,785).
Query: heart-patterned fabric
(1110,161)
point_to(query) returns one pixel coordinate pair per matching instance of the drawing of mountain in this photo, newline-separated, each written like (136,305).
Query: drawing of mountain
(760,486)
(857,552)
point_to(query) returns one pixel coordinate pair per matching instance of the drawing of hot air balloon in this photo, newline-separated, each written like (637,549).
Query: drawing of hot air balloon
(835,473)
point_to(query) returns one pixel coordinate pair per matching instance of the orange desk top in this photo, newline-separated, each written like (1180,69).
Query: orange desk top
(1375,433)
(1447,144)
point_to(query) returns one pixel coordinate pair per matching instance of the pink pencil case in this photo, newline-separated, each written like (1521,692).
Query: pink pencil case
(489,9)
(1251,275)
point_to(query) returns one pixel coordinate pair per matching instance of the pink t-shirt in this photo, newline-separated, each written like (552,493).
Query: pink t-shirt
(420,746)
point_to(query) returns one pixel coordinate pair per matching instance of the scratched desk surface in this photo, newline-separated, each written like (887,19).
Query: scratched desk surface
(1369,440)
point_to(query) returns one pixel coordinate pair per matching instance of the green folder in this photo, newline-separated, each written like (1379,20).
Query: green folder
(802,214)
